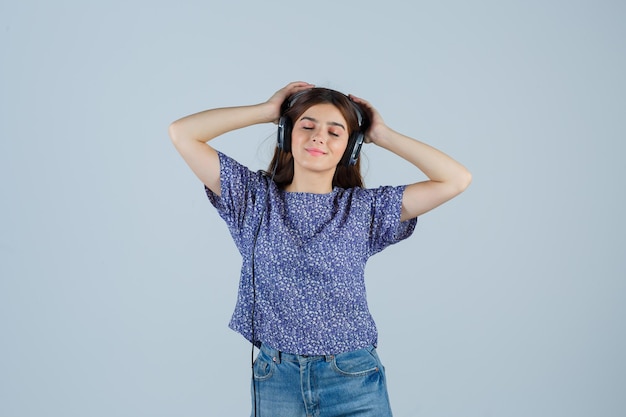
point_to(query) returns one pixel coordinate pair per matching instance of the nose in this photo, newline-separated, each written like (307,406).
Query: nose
(317,136)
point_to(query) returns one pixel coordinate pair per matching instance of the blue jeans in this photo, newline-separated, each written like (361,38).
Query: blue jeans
(350,384)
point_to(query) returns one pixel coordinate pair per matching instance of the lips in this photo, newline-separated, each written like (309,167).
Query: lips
(315,152)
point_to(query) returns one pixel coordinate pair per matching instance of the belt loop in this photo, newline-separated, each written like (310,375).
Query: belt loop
(279,354)
(329,358)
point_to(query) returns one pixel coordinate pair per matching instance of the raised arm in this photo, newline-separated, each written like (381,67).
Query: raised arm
(446,177)
(191,133)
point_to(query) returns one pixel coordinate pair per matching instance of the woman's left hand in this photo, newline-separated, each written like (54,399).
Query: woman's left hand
(377,129)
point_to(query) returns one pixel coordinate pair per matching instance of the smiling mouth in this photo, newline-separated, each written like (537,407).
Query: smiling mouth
(316,152)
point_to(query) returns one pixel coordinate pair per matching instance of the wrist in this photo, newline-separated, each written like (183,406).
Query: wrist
(381,136)
(267,113)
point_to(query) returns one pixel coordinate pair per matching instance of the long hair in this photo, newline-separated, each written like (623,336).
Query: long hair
(293,108)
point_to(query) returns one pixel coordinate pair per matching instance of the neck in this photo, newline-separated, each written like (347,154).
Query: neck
(321,183)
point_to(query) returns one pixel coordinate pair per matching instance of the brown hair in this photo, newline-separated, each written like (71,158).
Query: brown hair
(293,108)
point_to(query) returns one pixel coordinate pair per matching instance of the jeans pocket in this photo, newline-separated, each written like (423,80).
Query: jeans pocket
(358,363)
(263,367)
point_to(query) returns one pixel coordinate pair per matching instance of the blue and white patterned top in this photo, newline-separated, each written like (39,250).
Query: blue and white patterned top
(309,260)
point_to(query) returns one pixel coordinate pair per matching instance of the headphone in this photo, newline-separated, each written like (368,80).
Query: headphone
(355,141)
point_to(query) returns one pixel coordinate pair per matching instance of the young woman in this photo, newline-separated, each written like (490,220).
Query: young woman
(305,229)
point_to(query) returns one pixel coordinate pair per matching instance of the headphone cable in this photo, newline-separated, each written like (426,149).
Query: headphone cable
(254,241)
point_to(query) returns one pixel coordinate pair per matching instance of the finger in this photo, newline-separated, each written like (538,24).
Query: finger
(300,87)
(290,89)
(360,101)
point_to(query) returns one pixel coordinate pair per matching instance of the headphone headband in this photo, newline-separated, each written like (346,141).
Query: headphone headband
(289,102)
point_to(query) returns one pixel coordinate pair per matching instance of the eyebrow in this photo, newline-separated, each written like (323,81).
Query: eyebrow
(330,123)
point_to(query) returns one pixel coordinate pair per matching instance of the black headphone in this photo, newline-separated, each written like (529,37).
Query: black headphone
(355,141)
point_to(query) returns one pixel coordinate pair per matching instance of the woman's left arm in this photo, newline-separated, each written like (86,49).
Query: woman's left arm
(446,177)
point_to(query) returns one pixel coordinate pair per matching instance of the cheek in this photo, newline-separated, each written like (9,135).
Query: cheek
(297,137)
(339,146)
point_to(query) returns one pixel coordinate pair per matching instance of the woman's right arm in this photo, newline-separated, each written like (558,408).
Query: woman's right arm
(191,133)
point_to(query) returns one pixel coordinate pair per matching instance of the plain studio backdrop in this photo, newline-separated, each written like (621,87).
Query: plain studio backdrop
(118,277)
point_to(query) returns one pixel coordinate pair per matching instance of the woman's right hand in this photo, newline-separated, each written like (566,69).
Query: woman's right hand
(276,101)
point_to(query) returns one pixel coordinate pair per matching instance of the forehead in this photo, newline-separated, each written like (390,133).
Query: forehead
(325,112)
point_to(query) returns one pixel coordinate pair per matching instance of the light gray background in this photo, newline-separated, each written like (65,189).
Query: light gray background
(118,278)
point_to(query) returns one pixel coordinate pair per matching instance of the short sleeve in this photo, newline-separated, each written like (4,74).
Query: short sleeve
(386,227)
(239,188)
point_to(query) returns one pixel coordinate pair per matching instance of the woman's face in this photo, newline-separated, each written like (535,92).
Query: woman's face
(319,138)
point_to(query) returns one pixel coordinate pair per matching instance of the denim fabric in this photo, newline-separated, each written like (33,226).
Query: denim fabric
(349,384)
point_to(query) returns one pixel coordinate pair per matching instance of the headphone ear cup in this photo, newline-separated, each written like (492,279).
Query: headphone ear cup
(351,155)
(284,134)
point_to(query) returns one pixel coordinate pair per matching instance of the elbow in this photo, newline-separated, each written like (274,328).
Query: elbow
(463,180)
(467,179)
(179,133)
(174,131)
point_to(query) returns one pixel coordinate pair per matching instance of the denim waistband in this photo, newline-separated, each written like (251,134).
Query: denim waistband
(278,356)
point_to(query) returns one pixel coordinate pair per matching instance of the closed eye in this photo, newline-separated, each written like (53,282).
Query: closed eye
(309,123)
